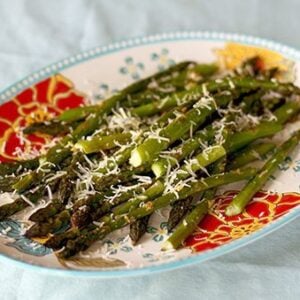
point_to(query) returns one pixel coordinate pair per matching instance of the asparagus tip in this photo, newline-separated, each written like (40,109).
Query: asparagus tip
(80,146)
(167,246)
(156,170)
(135,159)
(232,210)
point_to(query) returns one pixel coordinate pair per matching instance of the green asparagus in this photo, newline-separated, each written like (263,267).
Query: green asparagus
(256,183)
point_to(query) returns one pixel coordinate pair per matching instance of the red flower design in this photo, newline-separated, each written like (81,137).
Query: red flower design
(37,103)
(217,229)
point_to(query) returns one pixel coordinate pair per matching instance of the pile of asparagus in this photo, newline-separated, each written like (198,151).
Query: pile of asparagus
(167,140)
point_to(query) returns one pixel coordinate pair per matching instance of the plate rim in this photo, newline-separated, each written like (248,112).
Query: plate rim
(95,52)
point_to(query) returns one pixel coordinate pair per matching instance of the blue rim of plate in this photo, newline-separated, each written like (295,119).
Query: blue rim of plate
(76,59)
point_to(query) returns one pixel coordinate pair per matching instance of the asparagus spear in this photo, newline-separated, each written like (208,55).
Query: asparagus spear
(112,223)
(178,211)
(189,223)
(151,147)
(64,187)
(52,225)
(43,214)
(138,228)
(79,219)
(34,178)
(249,154)
(181,208)
(257,182)
(211,86)
(59,152)
(20,203)
(98,205)
(7,182)
(161,165)
(82,112)
(8,168)
(187,226)
(208,156)
(53,127)
(56,241)
(98,143)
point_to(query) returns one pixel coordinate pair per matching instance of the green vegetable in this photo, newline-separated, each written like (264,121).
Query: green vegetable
(86,239)
(256,183)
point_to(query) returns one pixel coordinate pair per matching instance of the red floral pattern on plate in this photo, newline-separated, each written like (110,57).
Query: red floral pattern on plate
(37,103)
(217,229)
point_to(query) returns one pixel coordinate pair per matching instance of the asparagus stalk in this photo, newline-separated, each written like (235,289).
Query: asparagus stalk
(180,208)
(250,154)
(65,188)
(59,152)
(211,86)
(233,143)
(43,214)
(35,177)
(52,225)
(112,223)
(155,190)
(161,165)
(98,143)
(7,182)
(53,127)
(178,211)
(257,182)
(56,241)
(8,168)
(190,222)
(151,147)
(20,203)
(187,226)
(82,112)
(98,205)
(138,228)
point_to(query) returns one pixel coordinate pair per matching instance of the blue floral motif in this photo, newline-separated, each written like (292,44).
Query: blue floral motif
(296,166)
(118,245)
(12,229)
(160,233)
(290,163)
(104,91)
(150,257)
(132,68)
(163,59)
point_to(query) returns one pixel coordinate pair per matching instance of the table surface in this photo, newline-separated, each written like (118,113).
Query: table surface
(36,33)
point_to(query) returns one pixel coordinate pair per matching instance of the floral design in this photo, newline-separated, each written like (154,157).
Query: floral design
(163,59)
(13,229)
(118,245)
(35,104)
(132,68)
(159,234)
(233,54)
(217,229)
(104,92)
(290,163)
(150,257)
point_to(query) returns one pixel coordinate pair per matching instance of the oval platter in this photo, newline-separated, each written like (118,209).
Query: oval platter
(96,74)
